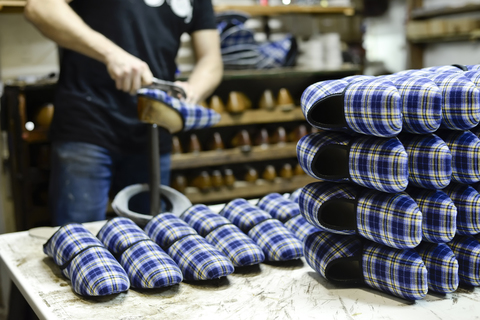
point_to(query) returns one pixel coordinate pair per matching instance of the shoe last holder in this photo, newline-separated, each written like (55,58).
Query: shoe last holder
(157,114)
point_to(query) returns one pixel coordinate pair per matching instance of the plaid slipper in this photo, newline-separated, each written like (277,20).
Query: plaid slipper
(370,107)
(467,202)
(461,98)
(288,213)
(439,214)
(348,260)
(392,219)
(465,149)
(276,241)
(84,260)
(467,252)
(294,195)
(473,67)
(442,266)
(193,116)
(224,235)
(146,264)
(474,76)
(197,258)
(421,101)
(375,163)
(446,69)
(429,160)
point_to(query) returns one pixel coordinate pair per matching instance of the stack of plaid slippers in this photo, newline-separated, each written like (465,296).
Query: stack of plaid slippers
(397,205)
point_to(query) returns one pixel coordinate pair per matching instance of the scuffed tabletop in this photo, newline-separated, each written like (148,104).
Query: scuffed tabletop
(289,290)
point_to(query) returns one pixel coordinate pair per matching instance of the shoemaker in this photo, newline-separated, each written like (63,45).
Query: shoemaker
(110,49)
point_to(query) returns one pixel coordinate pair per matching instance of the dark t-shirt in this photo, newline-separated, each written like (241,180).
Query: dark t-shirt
(88,107)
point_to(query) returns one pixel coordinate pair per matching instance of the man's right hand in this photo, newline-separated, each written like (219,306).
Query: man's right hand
(128,72)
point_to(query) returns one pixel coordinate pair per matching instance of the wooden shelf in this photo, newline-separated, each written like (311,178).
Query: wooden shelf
(470,36)
(258,10)
(228,156)
(12,6)
(243,189)
(259,116)
(421,13)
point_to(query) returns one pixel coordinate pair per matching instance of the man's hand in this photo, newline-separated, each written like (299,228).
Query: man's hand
(128,72)
(192,97)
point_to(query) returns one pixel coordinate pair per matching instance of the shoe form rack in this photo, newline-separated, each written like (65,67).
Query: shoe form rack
(28,150)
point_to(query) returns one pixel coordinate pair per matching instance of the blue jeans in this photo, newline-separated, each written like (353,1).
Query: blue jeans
(83,176)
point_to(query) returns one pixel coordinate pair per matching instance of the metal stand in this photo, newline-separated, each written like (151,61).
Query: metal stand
(154,163)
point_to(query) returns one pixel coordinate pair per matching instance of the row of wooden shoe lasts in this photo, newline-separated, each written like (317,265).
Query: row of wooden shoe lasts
(238,102)
(207,180)
(242,138)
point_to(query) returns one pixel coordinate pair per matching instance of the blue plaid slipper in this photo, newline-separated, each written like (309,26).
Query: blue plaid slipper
(456,68)
(370,107)
(146,264)
(348,260)
(442,266)
(439,214)
(193,116)
(276,241)
(467,252)
(392,219)
(197,258)
(375,163)
(465,149)
(421,101)
(84,260)
(237,35)
(288,213)
(224,235)
(294,195)
(467,202)
(473,67)
(429,160)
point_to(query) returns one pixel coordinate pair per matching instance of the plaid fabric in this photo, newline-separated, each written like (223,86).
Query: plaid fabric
(276,241)
(390,219)
(355,78)
(473,67)
(375,163)
(474,76)
(275,53)
(444,69)
(84,260)
(288,212)
(439,221)
(236,35)
(294,195)
(429,160)
(197,259)
(414,73)
(421,102)
(225,236)
(442,266)
(465,149)
(461,100)
(194,116)
(371,106)
(467,252)
(146,264)
(398,272)
(467,202)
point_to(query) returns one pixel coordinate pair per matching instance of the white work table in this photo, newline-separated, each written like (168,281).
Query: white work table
(290,290)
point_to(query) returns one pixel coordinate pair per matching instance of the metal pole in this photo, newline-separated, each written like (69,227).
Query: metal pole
(154,162)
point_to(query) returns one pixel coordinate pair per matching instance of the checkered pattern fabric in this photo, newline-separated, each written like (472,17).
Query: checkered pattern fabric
(236,35)
(84,260)
(398,272)
(444,69)
(370,107)
(461,100)
(401,273)
(276,241)
(467,252)
(294,195)
(197,258)
(375,163)
(355,78)
(390,219)
(194,116)
(275,53)
(465,149)
(439,214)
(429,160)
(467,202)
(224,235)
(414,73)
(442,266)
(474,76)
(473,67)
(146,264)
(421,102)
(288,212)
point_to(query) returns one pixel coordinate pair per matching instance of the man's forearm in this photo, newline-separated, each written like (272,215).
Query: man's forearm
(206,76)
